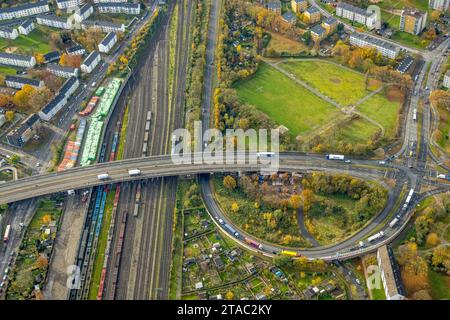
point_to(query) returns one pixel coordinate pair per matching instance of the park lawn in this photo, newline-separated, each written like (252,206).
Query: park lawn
(332,228)
(383,111)
(280,43)
(392,19)
(410,40)
(440,285)
(444,127)
(328,229)
(378,294)
(284,101)
(101,246)
(8,70)
(35,42)
(400,4)
(358,131)
(343,85)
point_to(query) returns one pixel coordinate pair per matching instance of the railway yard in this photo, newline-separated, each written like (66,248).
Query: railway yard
(110,215)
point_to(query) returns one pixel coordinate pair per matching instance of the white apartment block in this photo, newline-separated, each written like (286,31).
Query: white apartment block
(90,62)
(446,82)
(24,10)
(126,8)
(26,27)
(384,48)
(108,42)
(352,13)
(84,12)
(390,275)
(54,21)
(62,71)
(8,33)
(66,4)
(17,60)
(104,26)
(441,5)
(18,82)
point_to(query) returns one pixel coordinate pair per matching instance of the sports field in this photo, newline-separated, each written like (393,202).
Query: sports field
(339,83)
(285,101)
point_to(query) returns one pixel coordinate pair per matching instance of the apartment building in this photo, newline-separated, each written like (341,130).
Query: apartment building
(384,48)
(27,129)
(299,5)
(390,275)
(104,26)
(26,27)
(84,12)
(289,17)
(67,4)
(125,8)
(60,100)
(17,82)
(312,15)
(413,20)
(107,43)
(360,15)
(90,62)
(52,56)
(318,33)
(24,10)
(17,60)
(54,21)
(62,71)
(441,5)
(9,33)
(274,6)
(330,25)
(76,50)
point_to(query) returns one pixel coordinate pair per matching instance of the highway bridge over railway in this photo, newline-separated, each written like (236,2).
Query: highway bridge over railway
(164,166)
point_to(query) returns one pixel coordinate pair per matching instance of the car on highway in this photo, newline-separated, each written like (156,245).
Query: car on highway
(382,162)
(220,221)
(348,161)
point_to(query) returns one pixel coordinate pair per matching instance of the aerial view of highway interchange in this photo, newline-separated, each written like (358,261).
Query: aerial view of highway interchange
(225,150)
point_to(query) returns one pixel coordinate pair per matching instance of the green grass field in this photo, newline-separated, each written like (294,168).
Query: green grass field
(440,285)
(392,19)
(339,83)
(385,112)
(409,39)
(399,4)
(285,101)
(358,131)
(35,42)
(8,70)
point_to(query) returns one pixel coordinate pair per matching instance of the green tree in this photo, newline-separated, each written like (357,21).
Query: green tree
(14,160)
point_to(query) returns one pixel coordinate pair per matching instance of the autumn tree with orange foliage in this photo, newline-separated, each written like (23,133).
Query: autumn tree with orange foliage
(73,61)
(42,261)
(22,97)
